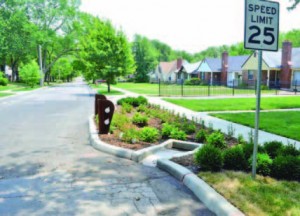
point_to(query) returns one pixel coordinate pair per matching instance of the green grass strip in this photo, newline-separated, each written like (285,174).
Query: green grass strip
(228,104)
(285,124)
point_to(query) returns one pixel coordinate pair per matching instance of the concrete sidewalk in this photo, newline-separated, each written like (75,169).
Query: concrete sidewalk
(217,124)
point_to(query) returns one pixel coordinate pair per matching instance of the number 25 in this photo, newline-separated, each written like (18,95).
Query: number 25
(268,32)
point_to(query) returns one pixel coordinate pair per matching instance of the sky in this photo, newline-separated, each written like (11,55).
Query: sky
(190,25)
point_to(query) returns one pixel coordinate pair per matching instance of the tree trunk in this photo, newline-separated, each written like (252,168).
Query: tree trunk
(108,86)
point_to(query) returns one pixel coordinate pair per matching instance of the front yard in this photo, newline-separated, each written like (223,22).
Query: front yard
(263,196)
(286,124)
(139,88)
(102,89)
(229,104)
(16,87)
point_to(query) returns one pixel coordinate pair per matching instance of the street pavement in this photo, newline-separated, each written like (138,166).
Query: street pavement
(47,166)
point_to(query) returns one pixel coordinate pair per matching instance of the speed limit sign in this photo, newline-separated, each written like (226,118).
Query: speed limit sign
(261,25)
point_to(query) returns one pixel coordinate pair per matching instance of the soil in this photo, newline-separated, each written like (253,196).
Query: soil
(187,162)
(115,141)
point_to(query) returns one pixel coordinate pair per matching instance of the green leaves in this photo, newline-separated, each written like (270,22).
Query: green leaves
(30,73)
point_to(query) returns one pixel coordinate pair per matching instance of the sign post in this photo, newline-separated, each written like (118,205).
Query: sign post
(261,33)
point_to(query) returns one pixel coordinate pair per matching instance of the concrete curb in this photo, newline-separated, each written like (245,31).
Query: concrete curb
(136,156)
(211,199)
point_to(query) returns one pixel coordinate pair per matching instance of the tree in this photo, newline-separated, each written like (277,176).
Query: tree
(17,38)
(104,52)
(30,73)
(63,69)
(145,57)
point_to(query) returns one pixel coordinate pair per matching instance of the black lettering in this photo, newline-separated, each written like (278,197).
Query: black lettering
(262,19)
(263,9)
(250,7)
(256,8)
(274,11)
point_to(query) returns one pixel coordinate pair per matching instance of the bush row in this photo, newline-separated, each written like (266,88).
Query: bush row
(273,159)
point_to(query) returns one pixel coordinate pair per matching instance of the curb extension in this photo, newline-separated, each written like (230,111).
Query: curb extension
(136,156)
(211,199)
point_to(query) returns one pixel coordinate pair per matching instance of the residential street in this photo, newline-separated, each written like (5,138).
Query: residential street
(47,166)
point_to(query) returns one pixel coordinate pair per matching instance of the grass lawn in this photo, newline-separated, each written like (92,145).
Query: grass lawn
(4,94)
(263,196)
(237,103)
(140,88)
(102,89)
(17,87)
(286,124)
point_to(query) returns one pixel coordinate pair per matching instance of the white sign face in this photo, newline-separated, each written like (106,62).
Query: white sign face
(261,25)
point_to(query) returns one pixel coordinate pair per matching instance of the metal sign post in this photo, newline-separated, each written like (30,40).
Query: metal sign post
(261,33)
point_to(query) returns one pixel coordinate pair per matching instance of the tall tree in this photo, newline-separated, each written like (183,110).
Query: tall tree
(145,57)
(105,53)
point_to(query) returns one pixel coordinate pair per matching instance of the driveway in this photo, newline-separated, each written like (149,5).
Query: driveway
(47,166)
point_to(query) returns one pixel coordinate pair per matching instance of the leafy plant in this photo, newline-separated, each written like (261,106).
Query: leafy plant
(263,164)
(139,119)
(167,129)
(289,149)
(273,148)
(126,108)
(251,137)
(130,136)
(3,79)
(241,139)
(248,150)
(135,102)
(149,134)
(234,158)
(209,158)
(217,139)
(201,136)
(120,121)
(142,108)
(178,134)
(30,73)
(286,167)
(189,127)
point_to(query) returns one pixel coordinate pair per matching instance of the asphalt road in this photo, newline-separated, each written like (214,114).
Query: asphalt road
(47,166)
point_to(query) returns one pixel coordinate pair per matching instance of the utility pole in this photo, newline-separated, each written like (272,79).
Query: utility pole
(41,66)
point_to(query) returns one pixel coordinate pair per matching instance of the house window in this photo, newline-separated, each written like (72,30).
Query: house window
(250,75)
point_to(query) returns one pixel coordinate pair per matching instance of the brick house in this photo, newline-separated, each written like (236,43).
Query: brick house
(279,69)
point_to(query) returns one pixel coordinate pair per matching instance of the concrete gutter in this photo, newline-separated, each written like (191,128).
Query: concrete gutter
(211,198)
(136,156)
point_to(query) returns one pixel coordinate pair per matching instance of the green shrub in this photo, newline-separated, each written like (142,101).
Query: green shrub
(286,167)
(130,135)
(273,148)
(241,139)
(178,134)
(3,79)
(149,134)
(289,150)
(248,150)
(264,87)
(263,164)
(217,139)
(30,73)
(209,158)
(234,158)
(166,130)
(193,81)
(139,119)
(189,128)
(133,101)
(142,108)
(126,108)
(201,136)
(120,121)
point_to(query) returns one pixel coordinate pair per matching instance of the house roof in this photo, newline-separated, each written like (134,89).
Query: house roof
(235,63)
(272,59)
(167,67)
(214,64)
(191,67)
